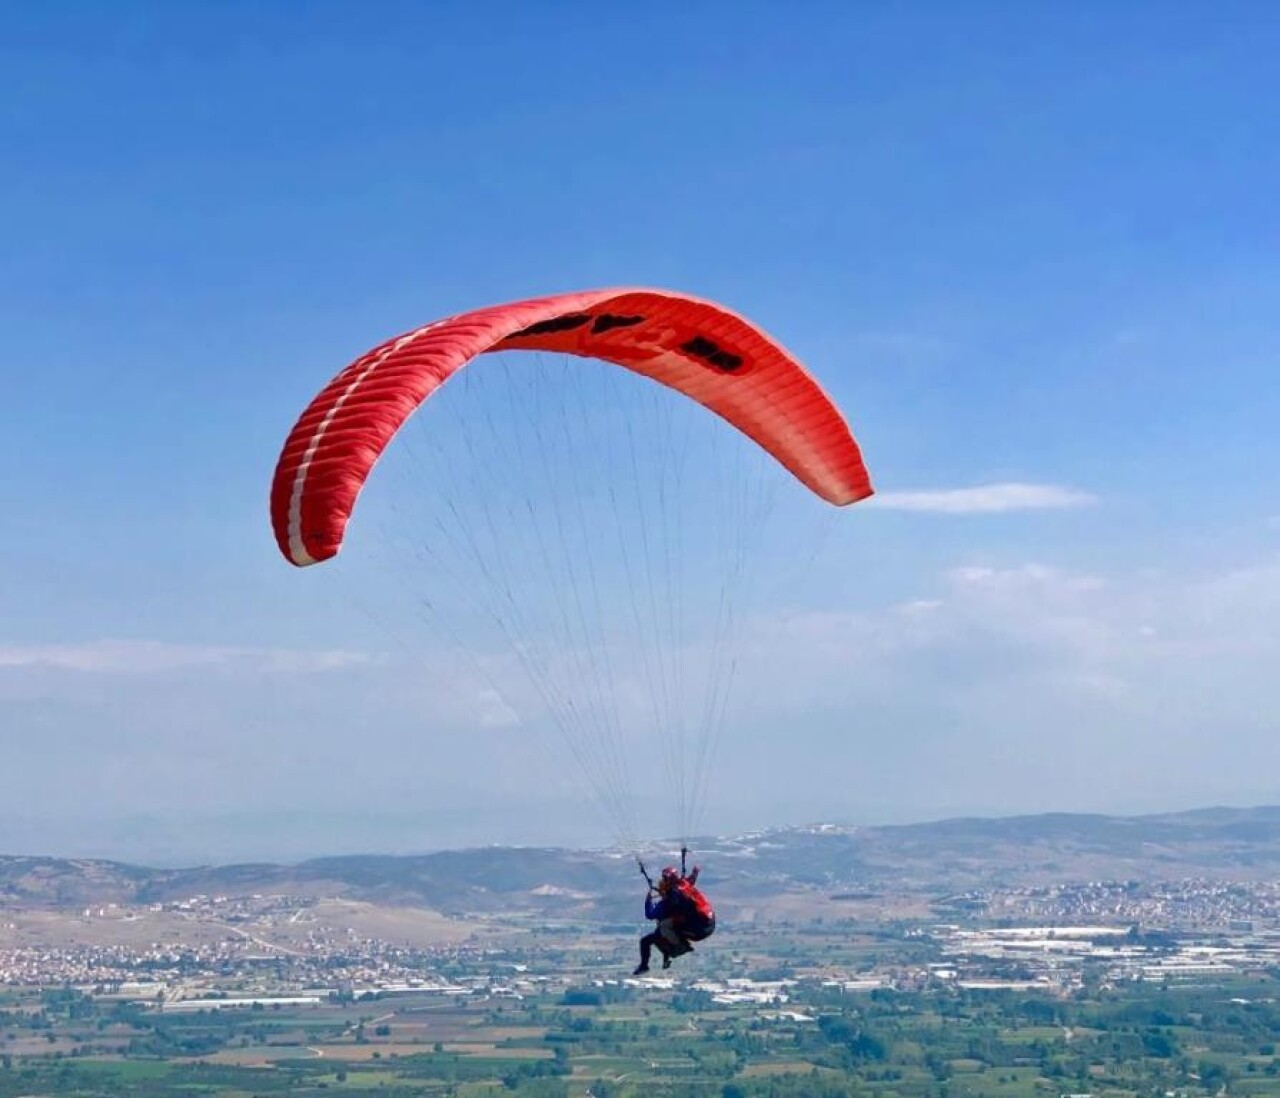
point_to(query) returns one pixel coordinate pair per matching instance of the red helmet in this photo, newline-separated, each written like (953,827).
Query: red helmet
(670,876)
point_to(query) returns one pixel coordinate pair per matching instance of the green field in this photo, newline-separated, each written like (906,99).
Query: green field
(615,1041)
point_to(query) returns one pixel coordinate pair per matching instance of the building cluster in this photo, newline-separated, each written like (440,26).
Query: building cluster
(1060,958)
(107,970)
(1191,904)
(231,943)
(1053,938)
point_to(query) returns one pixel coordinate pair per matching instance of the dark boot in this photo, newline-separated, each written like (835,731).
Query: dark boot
(646,946)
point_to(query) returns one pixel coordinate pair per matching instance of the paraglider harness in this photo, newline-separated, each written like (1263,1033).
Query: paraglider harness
(697,918)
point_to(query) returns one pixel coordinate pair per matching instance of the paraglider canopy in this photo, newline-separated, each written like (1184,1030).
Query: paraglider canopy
(583,532)
(694,346)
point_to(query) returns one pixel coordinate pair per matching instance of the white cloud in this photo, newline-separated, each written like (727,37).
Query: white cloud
(1007,688)
(1035,677)
(145,657)
(984,499)
(492,710)
(1040,582)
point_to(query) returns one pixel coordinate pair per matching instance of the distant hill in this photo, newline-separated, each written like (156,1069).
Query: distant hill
(928,858)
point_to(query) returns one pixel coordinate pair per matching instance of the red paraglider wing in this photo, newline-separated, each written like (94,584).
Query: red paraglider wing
(693,346)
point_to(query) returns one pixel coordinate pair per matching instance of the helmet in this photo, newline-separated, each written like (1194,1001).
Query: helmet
(670,876)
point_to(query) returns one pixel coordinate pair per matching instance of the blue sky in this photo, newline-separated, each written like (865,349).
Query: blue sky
(1030,245)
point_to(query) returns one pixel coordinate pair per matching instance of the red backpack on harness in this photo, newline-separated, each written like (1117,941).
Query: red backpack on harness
(700,920)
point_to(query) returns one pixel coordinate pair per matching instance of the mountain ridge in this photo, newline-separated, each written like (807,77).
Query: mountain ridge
(948,854)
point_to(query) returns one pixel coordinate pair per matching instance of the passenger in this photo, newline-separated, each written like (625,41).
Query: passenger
(683,914)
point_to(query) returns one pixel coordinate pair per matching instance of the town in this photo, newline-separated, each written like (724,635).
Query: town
(222,950)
